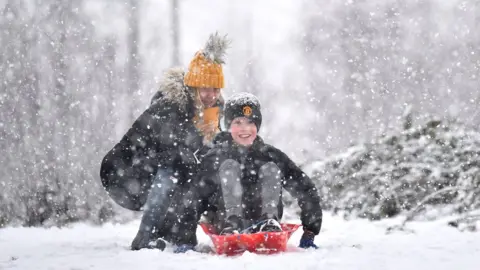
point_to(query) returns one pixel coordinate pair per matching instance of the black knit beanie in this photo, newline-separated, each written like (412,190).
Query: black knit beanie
(243,105)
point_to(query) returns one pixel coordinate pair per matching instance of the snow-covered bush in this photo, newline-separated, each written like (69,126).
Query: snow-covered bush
(435,165)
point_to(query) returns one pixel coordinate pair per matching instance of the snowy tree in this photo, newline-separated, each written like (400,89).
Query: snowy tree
(72,83)
(134,59)
(175,32)
(20,104)
(433,166)
(53,112)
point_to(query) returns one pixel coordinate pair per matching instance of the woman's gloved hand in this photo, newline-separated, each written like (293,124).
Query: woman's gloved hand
(307,240)
(184,248)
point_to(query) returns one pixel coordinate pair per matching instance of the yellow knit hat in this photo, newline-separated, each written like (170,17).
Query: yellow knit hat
(203,73)
(205,69)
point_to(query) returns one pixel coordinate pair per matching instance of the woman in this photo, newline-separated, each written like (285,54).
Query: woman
(151,166)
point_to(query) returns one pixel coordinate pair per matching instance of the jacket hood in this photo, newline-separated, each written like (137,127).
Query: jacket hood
(172,89)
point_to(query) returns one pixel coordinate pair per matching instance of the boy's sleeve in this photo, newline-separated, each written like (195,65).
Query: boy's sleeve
(207,185)
(202,196)
(297,183)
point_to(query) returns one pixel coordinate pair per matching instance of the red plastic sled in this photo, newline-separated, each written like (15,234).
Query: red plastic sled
(260,243)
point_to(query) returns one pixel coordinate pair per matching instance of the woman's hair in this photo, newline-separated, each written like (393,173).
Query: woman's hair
(199,106)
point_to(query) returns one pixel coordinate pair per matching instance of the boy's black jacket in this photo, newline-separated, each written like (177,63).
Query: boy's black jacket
(206,190)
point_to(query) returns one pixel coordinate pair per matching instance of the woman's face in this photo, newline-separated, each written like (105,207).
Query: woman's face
(209,96)
(243,131)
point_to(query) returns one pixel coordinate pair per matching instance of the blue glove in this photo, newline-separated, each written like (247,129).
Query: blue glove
(307,240)
(184,248)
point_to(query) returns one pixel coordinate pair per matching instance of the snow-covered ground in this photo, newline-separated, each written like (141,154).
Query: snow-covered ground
(356,244)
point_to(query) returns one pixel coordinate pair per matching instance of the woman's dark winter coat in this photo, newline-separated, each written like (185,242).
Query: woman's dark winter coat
(163,136)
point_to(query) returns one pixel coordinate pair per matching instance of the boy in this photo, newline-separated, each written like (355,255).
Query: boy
(241,179)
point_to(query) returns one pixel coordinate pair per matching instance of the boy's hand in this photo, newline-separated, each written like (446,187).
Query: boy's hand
(307,240)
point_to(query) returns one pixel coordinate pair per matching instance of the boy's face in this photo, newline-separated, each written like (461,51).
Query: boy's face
(243,131)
